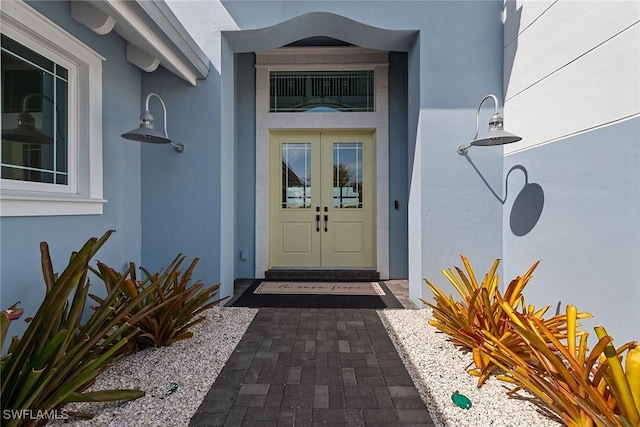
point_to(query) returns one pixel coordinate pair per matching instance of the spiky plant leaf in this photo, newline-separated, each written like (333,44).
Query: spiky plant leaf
(175,301)
(480,306)
(570,381)
(58,357)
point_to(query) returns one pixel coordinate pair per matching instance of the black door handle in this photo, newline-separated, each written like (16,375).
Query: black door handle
(326,219)
(318,222)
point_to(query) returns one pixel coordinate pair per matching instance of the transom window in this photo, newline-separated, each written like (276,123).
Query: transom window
(321,91)
(34,116)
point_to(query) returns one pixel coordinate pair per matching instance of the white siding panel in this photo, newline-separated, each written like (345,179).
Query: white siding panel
(599,88)
(566,31)
(519,14)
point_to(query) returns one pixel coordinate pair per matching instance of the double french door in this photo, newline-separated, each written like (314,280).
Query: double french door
(322,205)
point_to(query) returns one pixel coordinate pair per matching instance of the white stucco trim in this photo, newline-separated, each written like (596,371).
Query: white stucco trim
(300,59)
(205,21)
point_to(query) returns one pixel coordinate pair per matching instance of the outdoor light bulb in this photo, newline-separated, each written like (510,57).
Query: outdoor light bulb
(496,122)
(146,119)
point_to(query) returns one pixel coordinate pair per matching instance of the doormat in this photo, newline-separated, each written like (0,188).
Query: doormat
(319,288)
(309,300)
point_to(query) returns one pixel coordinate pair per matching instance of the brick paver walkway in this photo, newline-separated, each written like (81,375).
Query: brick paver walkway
(305,367)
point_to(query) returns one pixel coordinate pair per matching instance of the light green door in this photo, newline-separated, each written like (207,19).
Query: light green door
(322,199)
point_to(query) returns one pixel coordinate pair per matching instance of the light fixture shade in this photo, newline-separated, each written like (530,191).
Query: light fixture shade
(496,134)
(496,137)
(146,133)
(26,131)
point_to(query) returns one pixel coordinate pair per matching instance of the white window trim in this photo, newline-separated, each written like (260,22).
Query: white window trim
(83,194)
(72,107)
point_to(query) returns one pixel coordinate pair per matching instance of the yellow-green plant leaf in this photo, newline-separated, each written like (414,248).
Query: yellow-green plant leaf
(619,381)
(632,372)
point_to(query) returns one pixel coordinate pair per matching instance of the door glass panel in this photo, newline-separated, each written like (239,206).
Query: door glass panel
(347,175)
(296,175)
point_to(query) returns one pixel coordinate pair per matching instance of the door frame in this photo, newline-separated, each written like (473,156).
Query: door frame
(343,58)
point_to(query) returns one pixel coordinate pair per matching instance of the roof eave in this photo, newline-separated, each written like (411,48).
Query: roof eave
(153,33)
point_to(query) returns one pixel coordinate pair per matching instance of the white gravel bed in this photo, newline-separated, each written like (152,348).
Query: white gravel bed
(438,369)
(193,364)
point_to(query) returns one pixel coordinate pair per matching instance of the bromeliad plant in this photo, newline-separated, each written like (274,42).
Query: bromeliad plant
(481,309)
(175,305)
(547,357)
(58,357)
(583,388)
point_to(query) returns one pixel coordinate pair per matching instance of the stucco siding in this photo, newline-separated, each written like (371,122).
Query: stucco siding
(573,68)
(398,166)
(20,270)
(454,52)
(587,235)
(573,94)
(246,159)
(181,205)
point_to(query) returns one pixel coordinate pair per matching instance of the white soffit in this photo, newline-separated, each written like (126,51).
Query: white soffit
(153,33)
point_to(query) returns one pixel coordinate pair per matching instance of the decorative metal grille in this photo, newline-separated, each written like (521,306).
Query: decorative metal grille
(299,91)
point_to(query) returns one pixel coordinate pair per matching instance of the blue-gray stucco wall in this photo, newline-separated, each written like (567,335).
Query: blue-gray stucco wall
(181,191)
(245,97)
(20,270)
(162,202)
(587,235)
(398,167)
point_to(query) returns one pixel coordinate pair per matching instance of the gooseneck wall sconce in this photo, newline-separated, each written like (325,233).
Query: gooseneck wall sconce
(147,133)
(26,130)
(496,135)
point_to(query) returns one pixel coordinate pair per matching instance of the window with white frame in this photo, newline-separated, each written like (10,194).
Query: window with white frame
(51,93)
(34,116)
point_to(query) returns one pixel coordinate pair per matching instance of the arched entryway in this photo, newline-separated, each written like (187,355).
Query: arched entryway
(248,130)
